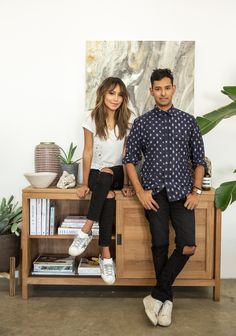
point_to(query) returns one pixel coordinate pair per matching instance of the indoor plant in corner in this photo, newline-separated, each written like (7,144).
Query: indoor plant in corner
(67,162)
(10,220)
(226,192)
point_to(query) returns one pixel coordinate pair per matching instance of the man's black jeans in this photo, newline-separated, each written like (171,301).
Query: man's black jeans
(102,209)
(183,222)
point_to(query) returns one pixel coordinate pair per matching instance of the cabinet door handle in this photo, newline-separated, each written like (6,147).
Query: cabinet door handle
(119,239)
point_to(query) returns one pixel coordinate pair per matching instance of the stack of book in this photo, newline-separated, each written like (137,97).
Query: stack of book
(42,216)
(89,267)
(54,265)
(73,224)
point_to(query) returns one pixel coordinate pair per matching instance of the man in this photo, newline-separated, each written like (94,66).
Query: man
(169,140)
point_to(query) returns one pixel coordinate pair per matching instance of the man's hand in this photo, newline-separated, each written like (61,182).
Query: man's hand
(82,191)
(128,191)
(191,201)
(145,198)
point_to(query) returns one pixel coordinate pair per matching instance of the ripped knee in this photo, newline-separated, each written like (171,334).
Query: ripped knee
(107,170)
(189,250)
(111,194)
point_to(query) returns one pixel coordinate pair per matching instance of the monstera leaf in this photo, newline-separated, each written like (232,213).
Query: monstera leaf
(230,91)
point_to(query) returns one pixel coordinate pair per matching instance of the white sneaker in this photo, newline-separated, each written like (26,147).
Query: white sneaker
(152,308)
(80,243)
(164,317)
(107,268)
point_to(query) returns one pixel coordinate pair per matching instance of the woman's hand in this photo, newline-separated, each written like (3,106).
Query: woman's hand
(128,191)
(83,191)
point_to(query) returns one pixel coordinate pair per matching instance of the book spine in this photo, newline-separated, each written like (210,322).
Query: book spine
(39,216)
(52,219)
(47,216)
(74,231)
(44,216)
(33,216)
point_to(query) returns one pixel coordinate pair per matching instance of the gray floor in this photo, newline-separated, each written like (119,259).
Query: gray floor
(79,311)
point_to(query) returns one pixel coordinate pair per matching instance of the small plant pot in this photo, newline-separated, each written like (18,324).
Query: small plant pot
(72,168)
(9,247)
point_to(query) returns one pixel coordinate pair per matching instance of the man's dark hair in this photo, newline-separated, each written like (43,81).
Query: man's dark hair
(158,74)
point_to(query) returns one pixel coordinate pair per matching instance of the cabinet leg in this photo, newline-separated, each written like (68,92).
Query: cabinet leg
(216,291)
(24,291)
(12,280)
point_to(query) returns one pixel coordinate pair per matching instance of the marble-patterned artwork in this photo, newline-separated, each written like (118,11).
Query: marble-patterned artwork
(133,62)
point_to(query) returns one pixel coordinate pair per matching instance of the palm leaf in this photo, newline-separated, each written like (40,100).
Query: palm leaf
(225,194)
(208,121)
(230,91)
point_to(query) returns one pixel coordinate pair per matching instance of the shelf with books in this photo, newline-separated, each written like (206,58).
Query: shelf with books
(56,236)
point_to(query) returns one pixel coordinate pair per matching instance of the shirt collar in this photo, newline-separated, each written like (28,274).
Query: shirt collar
(170,112)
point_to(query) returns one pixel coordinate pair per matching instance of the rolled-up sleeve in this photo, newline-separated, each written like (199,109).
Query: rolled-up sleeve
(133,152)
(197,146)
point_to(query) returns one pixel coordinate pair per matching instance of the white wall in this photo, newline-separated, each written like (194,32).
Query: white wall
(42,76)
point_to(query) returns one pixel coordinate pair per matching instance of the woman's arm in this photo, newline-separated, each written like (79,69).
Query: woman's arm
(87,159)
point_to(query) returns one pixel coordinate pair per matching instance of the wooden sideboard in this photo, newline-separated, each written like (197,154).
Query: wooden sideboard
(131,243)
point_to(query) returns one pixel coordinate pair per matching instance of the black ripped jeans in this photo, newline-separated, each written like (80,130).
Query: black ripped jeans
(183,222)
(101,208)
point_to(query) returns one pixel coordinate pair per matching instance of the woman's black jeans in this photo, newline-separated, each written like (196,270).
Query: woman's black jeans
(101,208)
(183,222)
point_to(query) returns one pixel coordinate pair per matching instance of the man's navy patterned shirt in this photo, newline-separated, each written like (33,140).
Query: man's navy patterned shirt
(168,140)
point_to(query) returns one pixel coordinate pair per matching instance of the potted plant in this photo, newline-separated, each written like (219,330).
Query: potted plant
(10,220)
(67,162)
(226,192)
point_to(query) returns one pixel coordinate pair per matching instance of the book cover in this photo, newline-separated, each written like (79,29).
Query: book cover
(54,259)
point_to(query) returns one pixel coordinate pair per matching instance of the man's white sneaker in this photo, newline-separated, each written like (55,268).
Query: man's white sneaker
(164,317)
(107,268)
(80,243)
(152,308)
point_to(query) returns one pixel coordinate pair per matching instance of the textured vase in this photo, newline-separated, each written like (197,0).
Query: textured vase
(46,158)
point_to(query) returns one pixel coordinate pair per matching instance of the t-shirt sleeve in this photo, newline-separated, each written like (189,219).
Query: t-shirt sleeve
(89,124)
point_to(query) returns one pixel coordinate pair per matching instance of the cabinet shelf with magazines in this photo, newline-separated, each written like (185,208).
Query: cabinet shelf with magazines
(130,244)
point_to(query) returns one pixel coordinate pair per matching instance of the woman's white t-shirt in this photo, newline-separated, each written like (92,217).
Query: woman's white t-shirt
(106,152)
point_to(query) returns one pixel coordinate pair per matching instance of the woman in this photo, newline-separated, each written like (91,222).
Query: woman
(105,130)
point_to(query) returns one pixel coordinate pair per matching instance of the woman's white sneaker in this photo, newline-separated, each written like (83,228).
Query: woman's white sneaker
(80,243)
(164,317)
(107,268)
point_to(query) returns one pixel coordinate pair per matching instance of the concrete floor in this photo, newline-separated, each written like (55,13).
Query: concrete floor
(110,311)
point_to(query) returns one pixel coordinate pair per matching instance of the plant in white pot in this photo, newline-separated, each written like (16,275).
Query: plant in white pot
(10,221)
(67,161)
(226,192)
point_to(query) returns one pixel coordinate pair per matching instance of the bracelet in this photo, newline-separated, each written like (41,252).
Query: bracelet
(197,187)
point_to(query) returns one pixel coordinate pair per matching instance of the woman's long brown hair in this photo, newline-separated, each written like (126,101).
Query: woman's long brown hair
(122,114)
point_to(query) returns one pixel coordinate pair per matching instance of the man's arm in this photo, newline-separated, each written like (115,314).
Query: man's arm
(144,196)
(193,197)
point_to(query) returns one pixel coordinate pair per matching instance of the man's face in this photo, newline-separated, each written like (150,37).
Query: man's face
(162,91)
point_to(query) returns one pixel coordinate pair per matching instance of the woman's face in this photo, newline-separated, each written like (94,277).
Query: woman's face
(113,98)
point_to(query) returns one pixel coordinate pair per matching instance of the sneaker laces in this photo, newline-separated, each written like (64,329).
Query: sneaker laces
(166,308)
(78,241)
(108,269)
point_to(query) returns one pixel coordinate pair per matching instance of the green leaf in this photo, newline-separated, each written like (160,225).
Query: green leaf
(230,91)
(208,121)
(225,194)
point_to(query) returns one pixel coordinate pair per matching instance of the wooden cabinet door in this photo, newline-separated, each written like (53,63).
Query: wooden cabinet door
(133,246)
